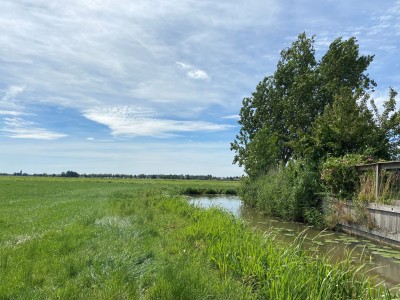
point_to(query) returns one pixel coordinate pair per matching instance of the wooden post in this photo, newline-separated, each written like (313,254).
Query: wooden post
(377,169)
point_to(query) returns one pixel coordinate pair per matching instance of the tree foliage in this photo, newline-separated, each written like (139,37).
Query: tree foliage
(69,174)
(311,109)
(347,126)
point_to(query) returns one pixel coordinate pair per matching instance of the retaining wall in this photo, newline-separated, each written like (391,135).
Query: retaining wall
(382,222)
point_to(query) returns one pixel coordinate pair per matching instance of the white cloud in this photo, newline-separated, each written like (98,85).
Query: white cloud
(198,74)
(192,72)
(8,101)
(9,104)
(21,129)
(135,121)
(382,27)
(12,113)
(12,92)
(184,66)
(233,117)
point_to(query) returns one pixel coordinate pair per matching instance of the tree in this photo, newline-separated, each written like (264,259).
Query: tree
(389,124)
(262,152)
(252,118)
(346,127)
(282,102)
(295,85)
(69,174)
(304,104)
(343,67)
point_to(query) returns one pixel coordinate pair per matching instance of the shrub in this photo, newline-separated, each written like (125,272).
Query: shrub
(339,175)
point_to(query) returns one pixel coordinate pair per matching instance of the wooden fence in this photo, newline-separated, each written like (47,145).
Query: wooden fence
(377,167)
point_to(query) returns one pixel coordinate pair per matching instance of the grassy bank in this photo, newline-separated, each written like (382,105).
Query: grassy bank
(139,239)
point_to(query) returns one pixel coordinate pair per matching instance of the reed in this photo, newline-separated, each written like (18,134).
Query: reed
(291,192)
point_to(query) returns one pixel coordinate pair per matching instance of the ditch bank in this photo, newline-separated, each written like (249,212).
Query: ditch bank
(383,263)
(378,222)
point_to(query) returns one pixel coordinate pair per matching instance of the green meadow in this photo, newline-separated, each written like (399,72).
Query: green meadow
(140,239)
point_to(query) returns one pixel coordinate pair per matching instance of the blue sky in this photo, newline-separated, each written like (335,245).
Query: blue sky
(127,86)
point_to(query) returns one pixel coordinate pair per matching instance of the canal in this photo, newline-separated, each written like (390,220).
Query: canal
(382,262)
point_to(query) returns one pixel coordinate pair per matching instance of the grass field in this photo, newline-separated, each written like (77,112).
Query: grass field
(139,239)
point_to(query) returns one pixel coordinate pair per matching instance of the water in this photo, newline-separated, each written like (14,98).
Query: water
(382,261)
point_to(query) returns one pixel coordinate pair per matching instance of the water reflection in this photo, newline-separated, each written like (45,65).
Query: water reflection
(232,204)
(383,262)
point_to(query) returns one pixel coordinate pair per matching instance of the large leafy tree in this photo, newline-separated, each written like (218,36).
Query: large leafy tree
(346,126)
(282,103)
(343,67)
(306,108)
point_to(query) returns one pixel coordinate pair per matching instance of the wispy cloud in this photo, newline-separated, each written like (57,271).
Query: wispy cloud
(385,19)
(233,117)
(198,74)
(12,113)
(193,72)
(22,129)
(136,121)
(12,92)
(8,102)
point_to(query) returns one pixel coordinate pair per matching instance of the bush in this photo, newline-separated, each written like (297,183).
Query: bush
(339,175)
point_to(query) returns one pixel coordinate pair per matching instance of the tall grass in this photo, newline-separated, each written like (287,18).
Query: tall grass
(389,187)
(272,270)
(85,239)
(289,192)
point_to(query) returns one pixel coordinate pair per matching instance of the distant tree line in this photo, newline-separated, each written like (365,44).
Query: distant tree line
(139,176)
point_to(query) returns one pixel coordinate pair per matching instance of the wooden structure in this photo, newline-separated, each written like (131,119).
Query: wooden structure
(383,222)
(390,165)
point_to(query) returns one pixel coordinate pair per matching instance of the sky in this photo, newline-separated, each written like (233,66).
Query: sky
(155,87)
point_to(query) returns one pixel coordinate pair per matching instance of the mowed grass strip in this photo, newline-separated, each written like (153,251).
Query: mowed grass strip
(139,239)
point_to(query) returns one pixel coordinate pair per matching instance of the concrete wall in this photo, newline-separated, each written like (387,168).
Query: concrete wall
(382,222)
